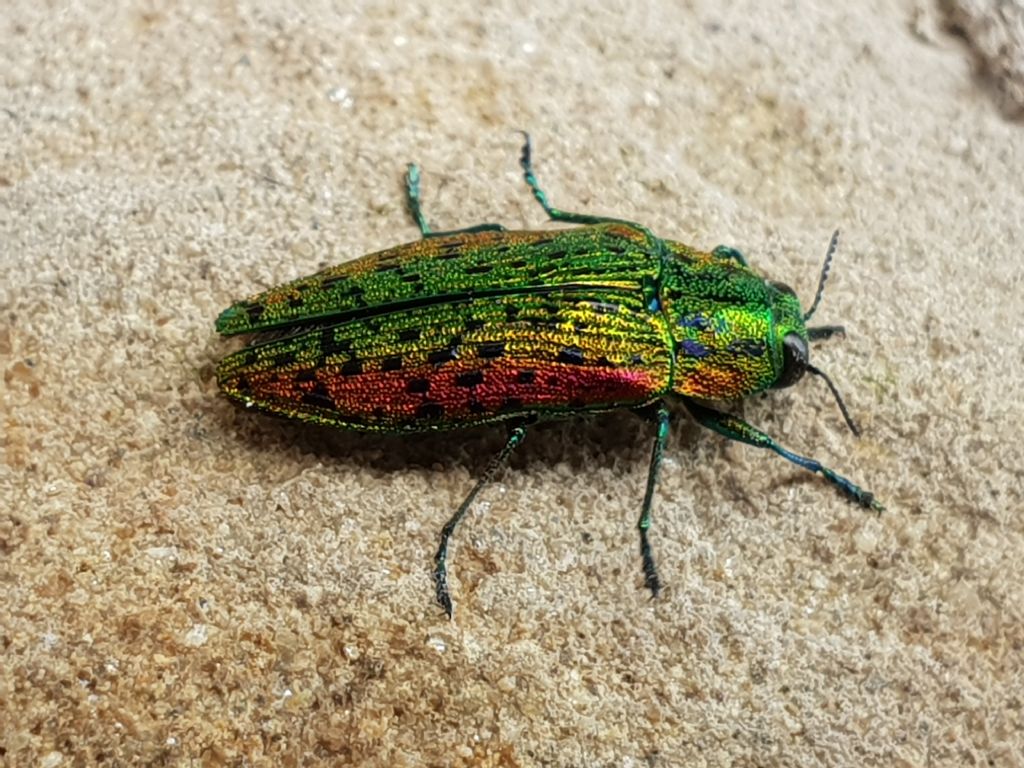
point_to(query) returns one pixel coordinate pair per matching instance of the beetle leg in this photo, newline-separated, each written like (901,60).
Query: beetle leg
(660,416)
(556,214)
(816,332)
(412,200)
(728,252)
(516,435)
(737,429)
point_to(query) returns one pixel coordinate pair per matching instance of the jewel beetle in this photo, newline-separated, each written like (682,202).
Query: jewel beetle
(483,324)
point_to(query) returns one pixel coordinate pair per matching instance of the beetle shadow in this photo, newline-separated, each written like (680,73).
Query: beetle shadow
(616,439)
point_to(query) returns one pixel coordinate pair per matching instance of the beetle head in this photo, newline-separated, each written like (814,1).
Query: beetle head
(791,326)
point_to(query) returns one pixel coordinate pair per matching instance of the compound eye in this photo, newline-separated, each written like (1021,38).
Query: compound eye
(782,288)
(794,360)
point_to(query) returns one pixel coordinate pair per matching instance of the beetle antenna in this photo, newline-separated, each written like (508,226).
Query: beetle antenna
(824,274)
(839,400)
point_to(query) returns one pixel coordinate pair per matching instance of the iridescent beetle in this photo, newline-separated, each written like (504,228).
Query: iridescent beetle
(482,324)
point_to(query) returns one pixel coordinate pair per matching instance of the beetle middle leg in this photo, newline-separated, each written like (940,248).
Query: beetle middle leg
(412,200)
(659,414)
(516,435)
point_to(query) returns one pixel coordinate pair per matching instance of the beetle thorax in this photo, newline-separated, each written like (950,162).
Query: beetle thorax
(727,324)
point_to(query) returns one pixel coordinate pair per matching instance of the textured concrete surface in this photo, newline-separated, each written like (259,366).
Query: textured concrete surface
(187,584)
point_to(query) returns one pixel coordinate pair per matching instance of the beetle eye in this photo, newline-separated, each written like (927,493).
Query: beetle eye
(794,360)
(782,288)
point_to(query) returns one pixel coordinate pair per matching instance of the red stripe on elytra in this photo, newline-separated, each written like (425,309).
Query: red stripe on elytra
(501,389)
(401,395)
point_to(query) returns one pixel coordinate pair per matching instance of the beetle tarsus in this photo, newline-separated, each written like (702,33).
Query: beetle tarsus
(651,580)
(444,598)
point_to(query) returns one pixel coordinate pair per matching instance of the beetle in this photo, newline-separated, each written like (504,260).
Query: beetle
(481,325)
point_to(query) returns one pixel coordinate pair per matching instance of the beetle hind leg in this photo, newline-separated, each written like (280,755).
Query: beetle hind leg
(412,201)
(412,198)
(516,435)
(556,214)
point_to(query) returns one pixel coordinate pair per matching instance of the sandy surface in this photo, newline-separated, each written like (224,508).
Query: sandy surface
(188,584)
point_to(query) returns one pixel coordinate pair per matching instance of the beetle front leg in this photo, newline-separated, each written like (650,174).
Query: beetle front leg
(412,200)
(727,252)
(737,429)
(516,436)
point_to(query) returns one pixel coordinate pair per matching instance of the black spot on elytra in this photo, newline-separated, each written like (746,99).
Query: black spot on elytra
(379,413)
(604,362)
(417,386)
(430,411)
(330,345)
(469,379)
(551,309)
(318,398)
(352,368)
(478,269)
(307,375)
(517,264)
(512,404)
(283,359)
(526,377)
(571,356)
(491,349)
(442,356)
(243,385)
(556,255)
(476,407)
(330,282)
(251,357)
(474,325)
(747,347)
(413,278)
(577,404)
(391,363)
(410,334)
(254,312)
(296,302)
(512,311)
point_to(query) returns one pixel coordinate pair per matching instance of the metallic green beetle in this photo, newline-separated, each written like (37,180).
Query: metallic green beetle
(484,325)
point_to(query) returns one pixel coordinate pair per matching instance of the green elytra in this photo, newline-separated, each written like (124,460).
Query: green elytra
(722,332)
